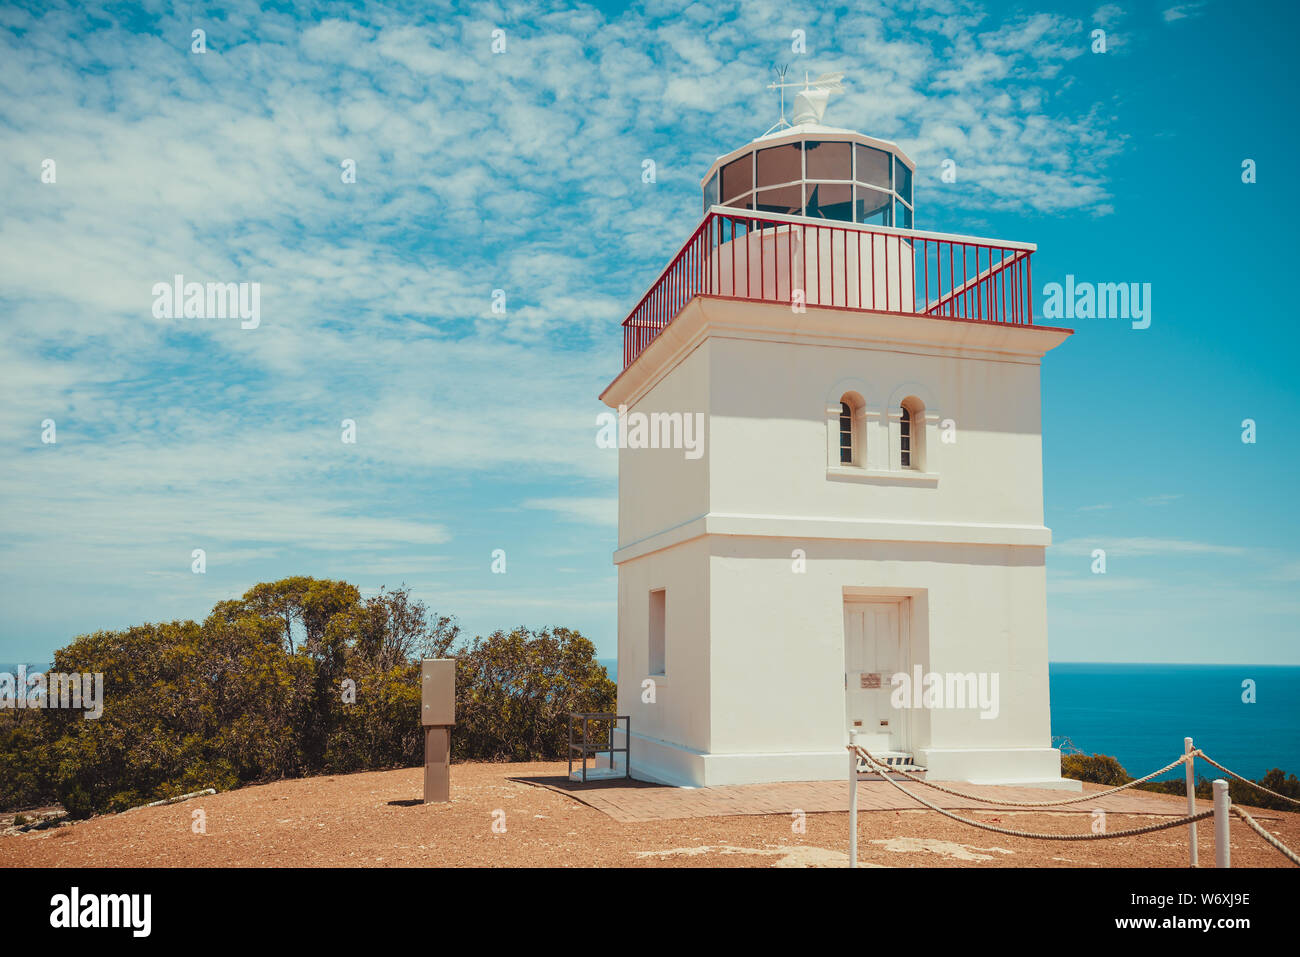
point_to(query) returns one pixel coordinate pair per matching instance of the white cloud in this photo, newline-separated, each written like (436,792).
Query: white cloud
(1164,499)
(1096,584)
(475,172)
(1107,15)
(1287,571)
(596,511)
(1144,547)
(1184,11)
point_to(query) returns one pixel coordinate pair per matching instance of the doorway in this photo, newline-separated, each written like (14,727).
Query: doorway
(877,639)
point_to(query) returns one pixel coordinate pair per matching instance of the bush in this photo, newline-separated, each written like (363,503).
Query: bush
(514,693)
(297,677)
(1275,780)
(1238,791)
(25,778)
(1094,768)
(1103,769)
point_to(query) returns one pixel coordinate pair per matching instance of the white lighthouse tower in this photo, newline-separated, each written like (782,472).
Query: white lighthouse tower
(858,541)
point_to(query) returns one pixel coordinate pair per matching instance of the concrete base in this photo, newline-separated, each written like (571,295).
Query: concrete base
(1027,767)
(663,762)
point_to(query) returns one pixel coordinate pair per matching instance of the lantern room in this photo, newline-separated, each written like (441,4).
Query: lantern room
(819,172)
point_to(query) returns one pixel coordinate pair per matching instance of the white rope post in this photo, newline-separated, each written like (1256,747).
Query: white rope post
(853,800)
(1191,795)
(1222,852)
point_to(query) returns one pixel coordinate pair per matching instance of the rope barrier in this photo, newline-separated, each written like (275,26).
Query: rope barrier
(1128,832)
(885,770)
(1091,796)
(1258,829)
(1258,787)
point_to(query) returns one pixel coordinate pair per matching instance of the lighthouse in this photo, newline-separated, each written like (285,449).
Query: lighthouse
(855,542)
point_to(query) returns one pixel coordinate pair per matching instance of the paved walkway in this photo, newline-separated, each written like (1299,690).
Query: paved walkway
(631,801)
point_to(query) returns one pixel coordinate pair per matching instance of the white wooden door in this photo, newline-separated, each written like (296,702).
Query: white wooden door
(874,651)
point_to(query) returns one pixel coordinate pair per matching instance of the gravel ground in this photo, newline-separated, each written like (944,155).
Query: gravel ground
(375,819)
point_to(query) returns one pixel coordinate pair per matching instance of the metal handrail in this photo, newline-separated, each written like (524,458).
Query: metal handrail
(973,278)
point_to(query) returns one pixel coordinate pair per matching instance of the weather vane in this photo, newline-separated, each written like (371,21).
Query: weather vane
(810,102)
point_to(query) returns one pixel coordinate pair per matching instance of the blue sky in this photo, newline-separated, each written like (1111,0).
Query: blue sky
(522,171)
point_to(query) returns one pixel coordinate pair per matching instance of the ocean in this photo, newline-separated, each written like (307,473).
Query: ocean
(1139,714)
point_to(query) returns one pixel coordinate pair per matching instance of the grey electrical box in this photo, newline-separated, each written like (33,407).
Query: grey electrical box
(438,692)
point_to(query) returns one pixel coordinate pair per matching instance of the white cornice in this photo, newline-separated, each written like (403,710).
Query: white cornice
(708,317)
(716,524)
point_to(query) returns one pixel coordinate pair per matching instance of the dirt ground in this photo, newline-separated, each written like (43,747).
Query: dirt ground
(375,819)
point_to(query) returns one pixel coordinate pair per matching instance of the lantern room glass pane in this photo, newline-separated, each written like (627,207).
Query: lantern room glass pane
(872,166)
(737,178)
(831,201)
(782,199)
(829,160)
(904,177)
(711,192)
(780,164)
(872,206)
(902,215)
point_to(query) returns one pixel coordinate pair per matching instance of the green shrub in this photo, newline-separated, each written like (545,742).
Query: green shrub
(514,692)
(1094,768)
(257,692)
(1103,769)
(25,778)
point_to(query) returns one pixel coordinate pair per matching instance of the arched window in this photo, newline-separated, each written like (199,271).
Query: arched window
(911,434)
(847,419)
(846,434)
(852,443)
(905,438)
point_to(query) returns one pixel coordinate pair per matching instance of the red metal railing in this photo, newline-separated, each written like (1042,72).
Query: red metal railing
(803,262)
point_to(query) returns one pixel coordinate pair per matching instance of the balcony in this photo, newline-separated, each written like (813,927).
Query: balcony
(804,262)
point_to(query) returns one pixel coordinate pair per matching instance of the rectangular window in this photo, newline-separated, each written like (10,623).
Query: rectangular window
(903,180)
(711,193)
(830,201)
(905,437)
(872,207)
(737,179)
(783,199)
(829,160)
(778,165)
(872,166)
(658,612)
